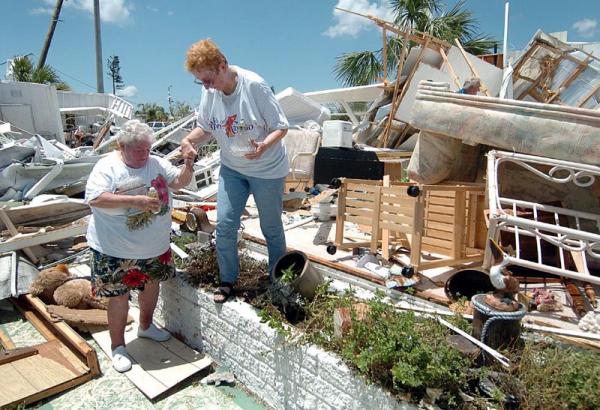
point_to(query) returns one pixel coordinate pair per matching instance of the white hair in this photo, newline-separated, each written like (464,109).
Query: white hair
(135,131)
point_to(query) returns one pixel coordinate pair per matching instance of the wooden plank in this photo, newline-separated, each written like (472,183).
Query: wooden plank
(14,392)
(375,230)
(414,69)
(445,210)
(450,68)
(52,371)
(326,194)
(472,67)
(459,226)
(429,224)
(21,241)
(394,227)
(588,95)
(156,366)
(340,217)
(440,263)
(5,341)
(398,219)
(417,234)
(361,187)
(365,196)
(438,251)
(359,220)
(442,190)
(443,235)
(524,59)
(395,190)
(13,231)
(567,81)
(385,230)
(67,335)
(440,201)
(432,216)
(395,96)
(368,213)
(7,356)
(472,209)
(437,242)
(407,210)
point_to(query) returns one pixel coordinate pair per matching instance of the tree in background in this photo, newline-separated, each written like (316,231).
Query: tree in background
(427,16)
(23,70)
(181,109)
(151,112)
(114,73)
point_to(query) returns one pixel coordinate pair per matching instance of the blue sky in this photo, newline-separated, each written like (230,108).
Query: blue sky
(289,43)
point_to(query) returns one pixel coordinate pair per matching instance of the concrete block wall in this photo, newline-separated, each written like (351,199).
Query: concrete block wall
(285,377)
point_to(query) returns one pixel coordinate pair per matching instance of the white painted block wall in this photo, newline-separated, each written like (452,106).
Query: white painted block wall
(285,377)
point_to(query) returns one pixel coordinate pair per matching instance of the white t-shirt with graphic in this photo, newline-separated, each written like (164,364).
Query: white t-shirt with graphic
(125,232)
(251,111)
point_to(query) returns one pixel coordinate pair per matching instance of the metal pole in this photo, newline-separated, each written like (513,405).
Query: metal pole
(505,43)
(99,77)
(50,34)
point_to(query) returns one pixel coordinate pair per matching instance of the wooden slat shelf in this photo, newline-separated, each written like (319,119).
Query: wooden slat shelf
(442,219)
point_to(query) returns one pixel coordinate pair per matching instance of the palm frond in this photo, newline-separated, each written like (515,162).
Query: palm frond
(358,68)
(22,69)
(412,13)
(45,75)
(479,44)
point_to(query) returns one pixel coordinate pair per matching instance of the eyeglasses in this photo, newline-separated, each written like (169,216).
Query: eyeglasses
(207,82)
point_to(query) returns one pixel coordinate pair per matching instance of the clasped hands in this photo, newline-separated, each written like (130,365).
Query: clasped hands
(260,147)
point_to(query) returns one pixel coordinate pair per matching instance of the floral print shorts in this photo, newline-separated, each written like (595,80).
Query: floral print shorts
(113,276)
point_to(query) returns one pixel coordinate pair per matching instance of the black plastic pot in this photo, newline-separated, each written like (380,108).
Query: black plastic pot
(467,283)
(308,278)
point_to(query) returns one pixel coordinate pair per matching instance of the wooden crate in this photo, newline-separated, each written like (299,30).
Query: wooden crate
(445,219)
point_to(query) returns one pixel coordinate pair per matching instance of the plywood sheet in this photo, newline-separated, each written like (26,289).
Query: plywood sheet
(43,372)
(156,366)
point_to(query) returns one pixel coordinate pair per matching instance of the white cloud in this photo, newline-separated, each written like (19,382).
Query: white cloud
(128,91)
(170,12)
(111,11)
(351,25)
(586,27)
(153,9)
(41,10)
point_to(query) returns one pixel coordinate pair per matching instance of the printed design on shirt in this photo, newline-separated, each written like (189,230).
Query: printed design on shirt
(140,220)
(231,126)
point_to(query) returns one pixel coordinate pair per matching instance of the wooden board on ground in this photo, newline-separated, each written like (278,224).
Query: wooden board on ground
(52,367)
(81,316)
(156,366)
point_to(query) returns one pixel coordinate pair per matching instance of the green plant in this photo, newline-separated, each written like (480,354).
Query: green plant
(274,319)
(558,377)
(289,274)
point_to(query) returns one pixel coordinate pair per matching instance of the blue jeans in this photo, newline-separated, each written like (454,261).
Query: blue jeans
(234,190)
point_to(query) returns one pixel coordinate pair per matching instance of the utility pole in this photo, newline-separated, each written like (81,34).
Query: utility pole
(170,100)
(505,43)
(50,34)
(99,78)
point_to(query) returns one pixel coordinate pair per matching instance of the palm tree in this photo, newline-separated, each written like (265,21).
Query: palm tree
(151,112)
(427,16)
(23,70)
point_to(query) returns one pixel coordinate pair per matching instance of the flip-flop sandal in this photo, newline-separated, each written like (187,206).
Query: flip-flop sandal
(223,292)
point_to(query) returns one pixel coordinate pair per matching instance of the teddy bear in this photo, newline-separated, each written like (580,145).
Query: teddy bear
(56,286)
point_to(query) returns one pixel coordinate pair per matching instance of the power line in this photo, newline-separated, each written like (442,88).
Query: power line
(76,79)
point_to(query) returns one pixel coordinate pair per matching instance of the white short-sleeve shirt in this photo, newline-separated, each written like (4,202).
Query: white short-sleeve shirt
(108,230)
(251,108)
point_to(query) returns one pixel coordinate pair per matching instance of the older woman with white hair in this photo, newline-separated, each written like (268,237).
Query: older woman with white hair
(129,231)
